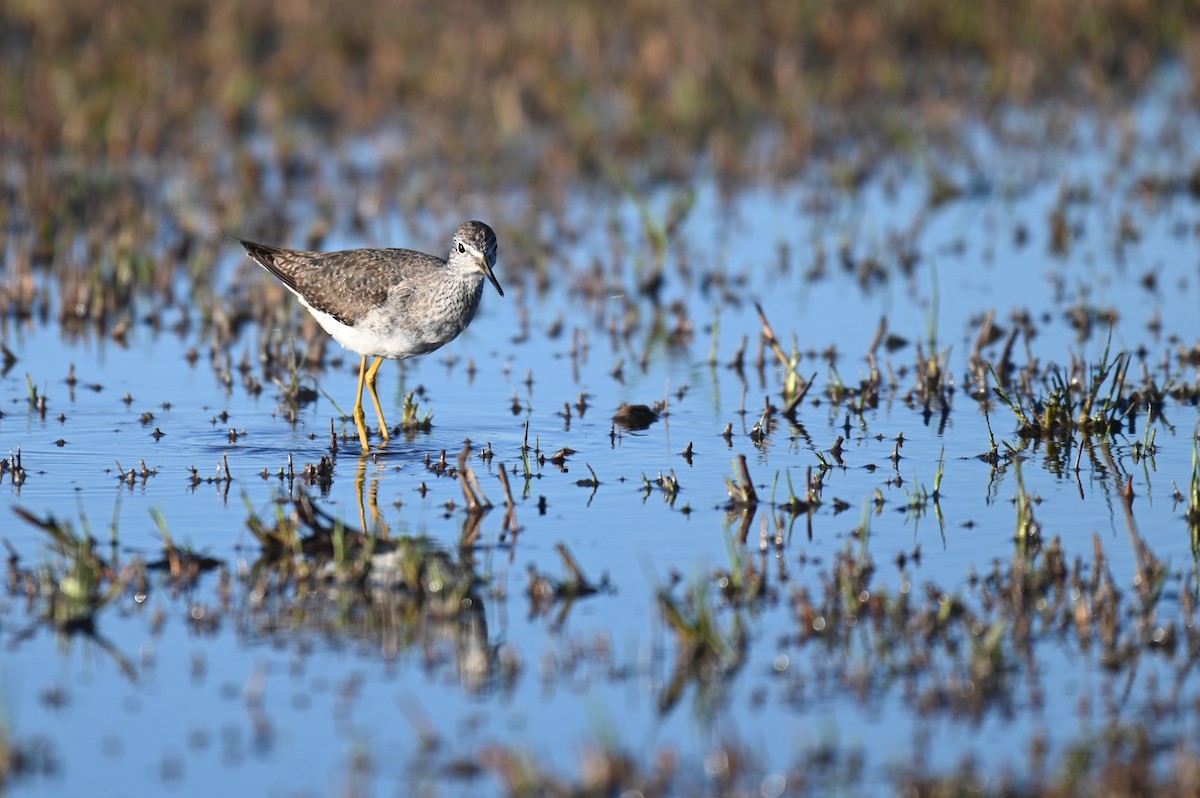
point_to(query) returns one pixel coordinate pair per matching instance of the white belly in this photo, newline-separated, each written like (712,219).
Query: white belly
(379,334)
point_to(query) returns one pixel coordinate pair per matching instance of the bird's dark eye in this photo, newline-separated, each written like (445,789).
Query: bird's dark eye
(461,248)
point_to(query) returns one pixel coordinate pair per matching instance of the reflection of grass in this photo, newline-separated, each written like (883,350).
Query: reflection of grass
(707,650)
(85,584)
(1117,760)
(77,585)
(1028,534)
(955,654)
(303,547)
(21,758)
(546,592)
(743,584)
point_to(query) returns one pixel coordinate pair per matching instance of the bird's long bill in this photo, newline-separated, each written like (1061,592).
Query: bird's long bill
(486,268)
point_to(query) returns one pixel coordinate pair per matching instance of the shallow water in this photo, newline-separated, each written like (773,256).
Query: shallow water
(205,686)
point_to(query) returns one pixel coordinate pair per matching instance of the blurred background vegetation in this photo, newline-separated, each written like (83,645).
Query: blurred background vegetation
(144,127)
(558,86)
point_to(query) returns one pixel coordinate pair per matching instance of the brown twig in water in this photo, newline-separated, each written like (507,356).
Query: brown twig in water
(468,482)
(1149,569)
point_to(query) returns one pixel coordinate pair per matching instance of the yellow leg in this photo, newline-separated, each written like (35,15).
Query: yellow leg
(358,413)
(383,428)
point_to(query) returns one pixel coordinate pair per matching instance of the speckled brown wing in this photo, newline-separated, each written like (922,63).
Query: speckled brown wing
(345,284)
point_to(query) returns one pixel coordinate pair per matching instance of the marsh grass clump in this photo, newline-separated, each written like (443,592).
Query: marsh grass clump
(14,468)
(742,493)
(796,505)
(795,388)
(411,419)
(1088,400)
(667,484)
(294,393)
